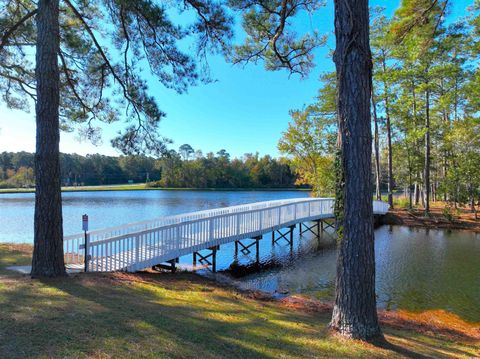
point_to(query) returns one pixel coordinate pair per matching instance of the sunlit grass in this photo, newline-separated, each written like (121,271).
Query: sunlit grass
(176,316)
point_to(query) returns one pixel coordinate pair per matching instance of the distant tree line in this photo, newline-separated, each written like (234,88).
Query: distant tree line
(183,169)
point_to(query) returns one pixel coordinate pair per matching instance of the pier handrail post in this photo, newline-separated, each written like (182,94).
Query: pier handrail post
(210,223)
(137,248)
(176,242)
(260,213)
(238,224)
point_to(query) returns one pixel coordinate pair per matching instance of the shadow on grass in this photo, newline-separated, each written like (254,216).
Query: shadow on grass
(385,344)
(90,316)
(157,315)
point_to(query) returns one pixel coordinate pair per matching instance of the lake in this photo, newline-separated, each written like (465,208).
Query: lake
(113,208)
(417,269)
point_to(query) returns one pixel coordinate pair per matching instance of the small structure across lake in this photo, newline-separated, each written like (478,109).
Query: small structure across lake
(141,245)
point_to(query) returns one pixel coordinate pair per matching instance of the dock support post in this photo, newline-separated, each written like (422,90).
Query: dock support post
(245,249)
(214,259)
(325,225)
(289,233)
(318,224)
(205,260)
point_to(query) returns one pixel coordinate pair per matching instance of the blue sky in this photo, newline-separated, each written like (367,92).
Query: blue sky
(245,110)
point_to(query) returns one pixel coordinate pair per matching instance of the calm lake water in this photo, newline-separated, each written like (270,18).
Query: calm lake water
(113,208)
(417,269)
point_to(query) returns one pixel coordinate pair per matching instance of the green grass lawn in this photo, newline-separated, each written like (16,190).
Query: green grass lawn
(150,315)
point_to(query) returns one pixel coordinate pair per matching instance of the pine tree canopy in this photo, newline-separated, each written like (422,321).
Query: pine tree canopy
(107,51)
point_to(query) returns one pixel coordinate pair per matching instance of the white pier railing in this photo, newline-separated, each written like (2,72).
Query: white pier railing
(140,245)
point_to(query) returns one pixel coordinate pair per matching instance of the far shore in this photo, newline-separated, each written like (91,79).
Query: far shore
(143,187)
(457,219)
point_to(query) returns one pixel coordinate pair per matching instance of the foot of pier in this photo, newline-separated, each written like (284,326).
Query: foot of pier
(209,259)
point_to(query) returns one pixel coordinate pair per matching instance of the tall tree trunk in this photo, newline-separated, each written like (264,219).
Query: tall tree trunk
(378,194)
(410,182)
(355,312)
(426,176)
(48,233)
(415,145)
(446,121)
(389,134)
(472,199)
(410,199)
(417,193)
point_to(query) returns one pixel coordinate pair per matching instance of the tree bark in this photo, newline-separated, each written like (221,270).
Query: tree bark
(378,194)
(410,182)
(417,192)
(355,312)
(48,258)
(427,153)
(389,135)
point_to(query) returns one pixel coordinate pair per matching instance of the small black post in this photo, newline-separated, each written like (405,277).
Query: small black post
(173,268)
(273,237)
(291,236)
(258,249)
(236,248)
(214,259)
(85,255)
(85,230)
(300,228)
(194,259)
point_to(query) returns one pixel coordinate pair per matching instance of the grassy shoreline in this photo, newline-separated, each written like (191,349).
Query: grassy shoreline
(142,187)
(182,315)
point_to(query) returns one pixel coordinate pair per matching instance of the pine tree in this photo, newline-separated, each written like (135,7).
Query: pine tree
(88,53)
(269,39)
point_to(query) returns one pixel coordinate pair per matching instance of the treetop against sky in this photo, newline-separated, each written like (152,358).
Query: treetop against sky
(246,109)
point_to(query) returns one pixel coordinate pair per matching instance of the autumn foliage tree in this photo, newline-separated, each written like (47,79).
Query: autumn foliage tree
(309,140)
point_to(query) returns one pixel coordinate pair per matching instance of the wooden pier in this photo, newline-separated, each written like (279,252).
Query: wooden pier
(154,243)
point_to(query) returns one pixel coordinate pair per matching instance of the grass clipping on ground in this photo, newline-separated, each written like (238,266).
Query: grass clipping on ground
(185,316)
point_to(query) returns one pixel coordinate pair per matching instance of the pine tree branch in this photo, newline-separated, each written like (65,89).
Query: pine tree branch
(11,30)
(84,106)
(105,58)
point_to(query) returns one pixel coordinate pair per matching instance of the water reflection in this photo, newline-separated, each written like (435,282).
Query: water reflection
(416,270)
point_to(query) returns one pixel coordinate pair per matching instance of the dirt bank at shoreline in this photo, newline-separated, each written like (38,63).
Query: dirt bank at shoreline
(439,219)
